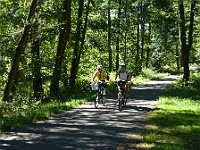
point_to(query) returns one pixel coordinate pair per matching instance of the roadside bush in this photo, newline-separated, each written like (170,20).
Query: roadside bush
(195,80)
(150,74)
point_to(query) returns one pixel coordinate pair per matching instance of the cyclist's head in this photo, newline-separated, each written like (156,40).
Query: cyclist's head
(99,67)
(123,64)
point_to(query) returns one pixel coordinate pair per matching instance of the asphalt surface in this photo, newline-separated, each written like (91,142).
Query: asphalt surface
(87,128)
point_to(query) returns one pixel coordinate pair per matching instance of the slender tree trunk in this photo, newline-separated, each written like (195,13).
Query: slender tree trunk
(16,81)
(37,77)
(142,36)
(77,53)
(142,47)
(125,46)
(184,47)
(177,58)
(138,50)
(85,25)
(148,49)
(19,50)
(63,38)
(84,29)
(125,34)
(118,36)
(109,37)
(36,62)
(36,65)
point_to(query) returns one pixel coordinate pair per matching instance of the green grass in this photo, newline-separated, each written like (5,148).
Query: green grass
(35,113)
(175,122)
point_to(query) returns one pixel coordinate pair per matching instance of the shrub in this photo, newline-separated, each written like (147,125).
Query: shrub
(195,80)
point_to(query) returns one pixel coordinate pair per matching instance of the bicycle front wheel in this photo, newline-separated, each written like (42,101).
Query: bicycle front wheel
(96,101)
(120,104)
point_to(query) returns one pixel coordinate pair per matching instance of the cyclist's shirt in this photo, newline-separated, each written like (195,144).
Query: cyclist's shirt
(101,76)
(123,75)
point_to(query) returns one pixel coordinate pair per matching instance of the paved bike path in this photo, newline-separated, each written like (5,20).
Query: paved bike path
(87,128)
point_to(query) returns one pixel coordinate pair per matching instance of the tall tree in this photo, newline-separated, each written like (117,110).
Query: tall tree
(19,50)
(109,37)
(118,34)
(63,38)
(76,54)
(36,65)
(185,47)
(142,5)
(36,60)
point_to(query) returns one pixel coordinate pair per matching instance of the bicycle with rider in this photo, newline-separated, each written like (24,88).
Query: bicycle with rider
(101,75)
(125,74)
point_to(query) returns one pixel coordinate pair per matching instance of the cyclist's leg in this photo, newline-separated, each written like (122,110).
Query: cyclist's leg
(119,94)
(104,88)
(127,88)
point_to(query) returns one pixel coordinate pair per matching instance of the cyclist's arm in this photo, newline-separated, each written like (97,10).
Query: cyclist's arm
(106,77)
(129,75)
(117,74)
(94,76)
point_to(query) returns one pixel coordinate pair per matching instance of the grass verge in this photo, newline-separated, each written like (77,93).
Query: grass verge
(174,124)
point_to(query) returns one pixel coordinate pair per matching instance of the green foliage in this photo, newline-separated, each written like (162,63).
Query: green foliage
(18,118)
(195,80)
(172,69)
(150,74)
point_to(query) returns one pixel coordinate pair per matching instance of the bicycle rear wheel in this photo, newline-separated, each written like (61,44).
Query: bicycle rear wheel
(120,99)
(103,101)
(125,101)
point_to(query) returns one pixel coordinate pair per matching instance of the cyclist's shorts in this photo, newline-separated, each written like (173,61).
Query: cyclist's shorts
(104,84)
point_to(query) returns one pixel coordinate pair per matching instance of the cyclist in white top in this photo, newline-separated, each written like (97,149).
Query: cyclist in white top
(124,74)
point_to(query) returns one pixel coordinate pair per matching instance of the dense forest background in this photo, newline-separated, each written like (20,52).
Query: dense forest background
(47,47)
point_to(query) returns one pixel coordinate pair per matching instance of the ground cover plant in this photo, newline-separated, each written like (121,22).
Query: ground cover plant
(174,124)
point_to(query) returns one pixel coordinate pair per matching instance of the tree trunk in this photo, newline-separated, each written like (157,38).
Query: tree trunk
(77,53)
(142,36)
(142,47)
(36,65)
(19,50)
(184,47)
(177,58)
(118,36)
(63,38)
(82,39)
(138,50)
(37,78)
(148,49)
(36,62)
(125,46)
(109,37)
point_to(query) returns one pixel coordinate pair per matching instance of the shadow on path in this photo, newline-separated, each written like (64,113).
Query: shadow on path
(86,128)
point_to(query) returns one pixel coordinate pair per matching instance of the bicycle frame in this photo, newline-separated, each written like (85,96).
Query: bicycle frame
(99,95)
(122,99)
